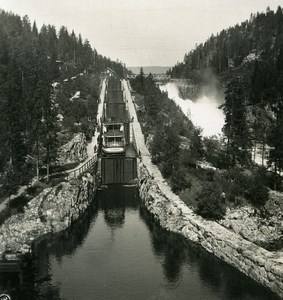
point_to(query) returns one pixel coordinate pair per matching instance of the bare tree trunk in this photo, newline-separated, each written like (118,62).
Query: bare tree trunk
(47,172)
(263,153)
(275,179)
(37,160)
(47,163)
(254,151)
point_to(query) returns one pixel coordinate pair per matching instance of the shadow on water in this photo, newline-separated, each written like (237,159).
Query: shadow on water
(114,201)
(37,279)
(179,253)
(183,263)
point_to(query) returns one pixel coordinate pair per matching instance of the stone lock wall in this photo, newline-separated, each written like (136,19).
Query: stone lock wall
(51,211)
(261,265)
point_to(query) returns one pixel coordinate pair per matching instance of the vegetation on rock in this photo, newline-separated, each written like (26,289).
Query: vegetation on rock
(210,202)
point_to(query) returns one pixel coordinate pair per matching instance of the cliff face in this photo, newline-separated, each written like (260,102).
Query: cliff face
(51,211)
(187,89)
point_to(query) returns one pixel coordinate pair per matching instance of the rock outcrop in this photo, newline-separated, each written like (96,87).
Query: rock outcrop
(187,89)
(266,231)
(263,266)
(74,151)
(51,211)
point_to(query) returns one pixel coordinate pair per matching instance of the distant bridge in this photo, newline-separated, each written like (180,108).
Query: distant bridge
(156,77)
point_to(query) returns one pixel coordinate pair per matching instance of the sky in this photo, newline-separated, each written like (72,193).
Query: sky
(141,32)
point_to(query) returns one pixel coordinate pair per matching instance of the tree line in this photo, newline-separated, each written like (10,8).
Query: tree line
(261,35)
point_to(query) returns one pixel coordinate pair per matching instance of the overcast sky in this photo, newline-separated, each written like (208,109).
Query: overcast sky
(141,32)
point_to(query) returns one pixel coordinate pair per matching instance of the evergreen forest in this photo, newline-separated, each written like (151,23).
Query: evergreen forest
(41,69)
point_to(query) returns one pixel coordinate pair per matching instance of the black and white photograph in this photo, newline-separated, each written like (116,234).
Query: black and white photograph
(141,149)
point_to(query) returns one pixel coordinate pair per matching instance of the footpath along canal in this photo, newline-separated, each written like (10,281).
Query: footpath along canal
(117,251)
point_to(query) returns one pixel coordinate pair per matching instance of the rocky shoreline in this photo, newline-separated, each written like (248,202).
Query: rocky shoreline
(51,211)
(257,263)
(263,227)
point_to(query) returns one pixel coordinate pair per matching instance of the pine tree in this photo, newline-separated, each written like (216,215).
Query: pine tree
(34,29)
(4,60)
(275,140)
(235,127)
(12,111)
(276,143)
(48,126)
(141,78)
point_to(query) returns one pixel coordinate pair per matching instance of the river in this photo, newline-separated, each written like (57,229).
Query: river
(117,251)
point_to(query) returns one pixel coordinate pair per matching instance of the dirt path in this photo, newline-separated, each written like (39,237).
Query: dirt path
(136,125)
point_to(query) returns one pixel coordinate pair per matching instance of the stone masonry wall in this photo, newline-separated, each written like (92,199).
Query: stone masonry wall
(263,266)
(51,211)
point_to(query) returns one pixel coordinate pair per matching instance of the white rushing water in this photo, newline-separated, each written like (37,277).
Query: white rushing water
(203,112)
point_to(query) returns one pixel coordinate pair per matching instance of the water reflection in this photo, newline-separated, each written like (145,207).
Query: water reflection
(37,284)
(166,246)
(223,280)
(114,201)
(117,251)
(37,276)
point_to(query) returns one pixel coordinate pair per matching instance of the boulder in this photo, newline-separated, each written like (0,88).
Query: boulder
(250,224)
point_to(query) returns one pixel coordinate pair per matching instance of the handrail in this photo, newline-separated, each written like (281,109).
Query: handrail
(90,164)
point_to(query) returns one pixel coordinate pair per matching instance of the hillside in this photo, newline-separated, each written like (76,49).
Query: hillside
(248,61)
(49,87)
(258,39)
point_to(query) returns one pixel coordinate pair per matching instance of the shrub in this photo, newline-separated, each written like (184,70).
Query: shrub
(17,204)
(189,195)
(167,169)
(180,180)
(257,192)
(234,182)
(214,151)
(210,202)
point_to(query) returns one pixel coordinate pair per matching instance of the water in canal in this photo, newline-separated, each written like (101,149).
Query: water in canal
(117,251)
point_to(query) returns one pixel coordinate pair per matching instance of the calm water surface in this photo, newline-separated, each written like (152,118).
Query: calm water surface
(117,251)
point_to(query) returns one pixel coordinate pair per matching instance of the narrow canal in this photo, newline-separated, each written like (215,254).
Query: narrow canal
(117,251)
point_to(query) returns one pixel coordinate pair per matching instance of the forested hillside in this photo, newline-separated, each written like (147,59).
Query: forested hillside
(258,39)
(248,60)
(49,84)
